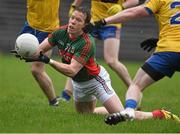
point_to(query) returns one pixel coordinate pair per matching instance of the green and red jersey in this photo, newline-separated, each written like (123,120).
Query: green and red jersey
(82,49)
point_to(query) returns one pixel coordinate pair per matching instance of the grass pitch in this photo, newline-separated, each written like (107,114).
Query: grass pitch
(24,108)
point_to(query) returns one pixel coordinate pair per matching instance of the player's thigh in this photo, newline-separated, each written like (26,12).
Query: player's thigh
(106,94)
(85,107)
(111,42)
(111,48)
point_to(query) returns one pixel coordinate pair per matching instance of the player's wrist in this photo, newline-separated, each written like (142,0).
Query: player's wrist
(123,7)
(73,5)
(103,22)
(51,62)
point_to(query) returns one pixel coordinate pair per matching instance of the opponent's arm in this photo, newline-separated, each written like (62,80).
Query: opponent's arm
(128,14)
(75,4)
(119,7)
(130,3)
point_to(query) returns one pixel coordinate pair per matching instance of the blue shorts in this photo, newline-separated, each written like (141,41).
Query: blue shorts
(162,64)
(106,32)
(39,34)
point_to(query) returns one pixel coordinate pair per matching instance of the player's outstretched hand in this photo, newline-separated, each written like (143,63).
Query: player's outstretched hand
(93,25)
(41,58)
(113,119)
(100,23)
(89,28)
(149,44)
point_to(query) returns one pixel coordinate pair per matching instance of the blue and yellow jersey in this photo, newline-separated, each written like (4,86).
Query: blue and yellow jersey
(43,15)
(167,13)
(99,9)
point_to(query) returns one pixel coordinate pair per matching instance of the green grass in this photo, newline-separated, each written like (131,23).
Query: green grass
(24,108)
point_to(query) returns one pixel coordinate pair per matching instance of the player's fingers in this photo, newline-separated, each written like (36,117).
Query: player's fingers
(143,44)
(145,47)
(150,48)
(13,51)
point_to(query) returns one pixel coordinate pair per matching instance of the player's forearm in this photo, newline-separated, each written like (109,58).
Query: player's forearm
(128,14)
(65,69)
(44,47)
(130,3)
(77,2)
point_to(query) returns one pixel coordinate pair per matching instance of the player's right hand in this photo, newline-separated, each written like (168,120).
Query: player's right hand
(149,44)
(114,9)
(100,23)
(93,25)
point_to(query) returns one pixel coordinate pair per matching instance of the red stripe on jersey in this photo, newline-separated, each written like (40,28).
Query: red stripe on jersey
(86,48)
(92,67)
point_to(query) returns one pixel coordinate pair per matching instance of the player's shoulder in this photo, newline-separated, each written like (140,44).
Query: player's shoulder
(64,27)
(60,29)
(87,37)
(88,40)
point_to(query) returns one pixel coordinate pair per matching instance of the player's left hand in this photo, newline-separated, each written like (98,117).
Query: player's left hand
(41,58)
(149,44)
(114,9)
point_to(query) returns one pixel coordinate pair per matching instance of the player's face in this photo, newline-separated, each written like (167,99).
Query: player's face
(76,23)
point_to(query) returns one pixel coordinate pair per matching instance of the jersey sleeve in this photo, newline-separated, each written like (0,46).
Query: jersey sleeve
(52,38)
(153,6)
(84,53)
(56,35)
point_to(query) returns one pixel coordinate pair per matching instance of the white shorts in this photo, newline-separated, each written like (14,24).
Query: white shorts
(98,87)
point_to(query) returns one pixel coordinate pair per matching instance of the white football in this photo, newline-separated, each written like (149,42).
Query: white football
(26,44)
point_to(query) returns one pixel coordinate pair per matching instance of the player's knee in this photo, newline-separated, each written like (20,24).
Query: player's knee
(137,86)
(37,69)
(36,72)
(111,62)
(84,110)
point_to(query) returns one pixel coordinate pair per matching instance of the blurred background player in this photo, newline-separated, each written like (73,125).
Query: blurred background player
(90,81)
(166,58)
(42,19)
(110,35)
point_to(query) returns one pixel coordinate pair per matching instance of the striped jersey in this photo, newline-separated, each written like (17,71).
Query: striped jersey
(99,8)
(43,15)
(82,49)
(167,13)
